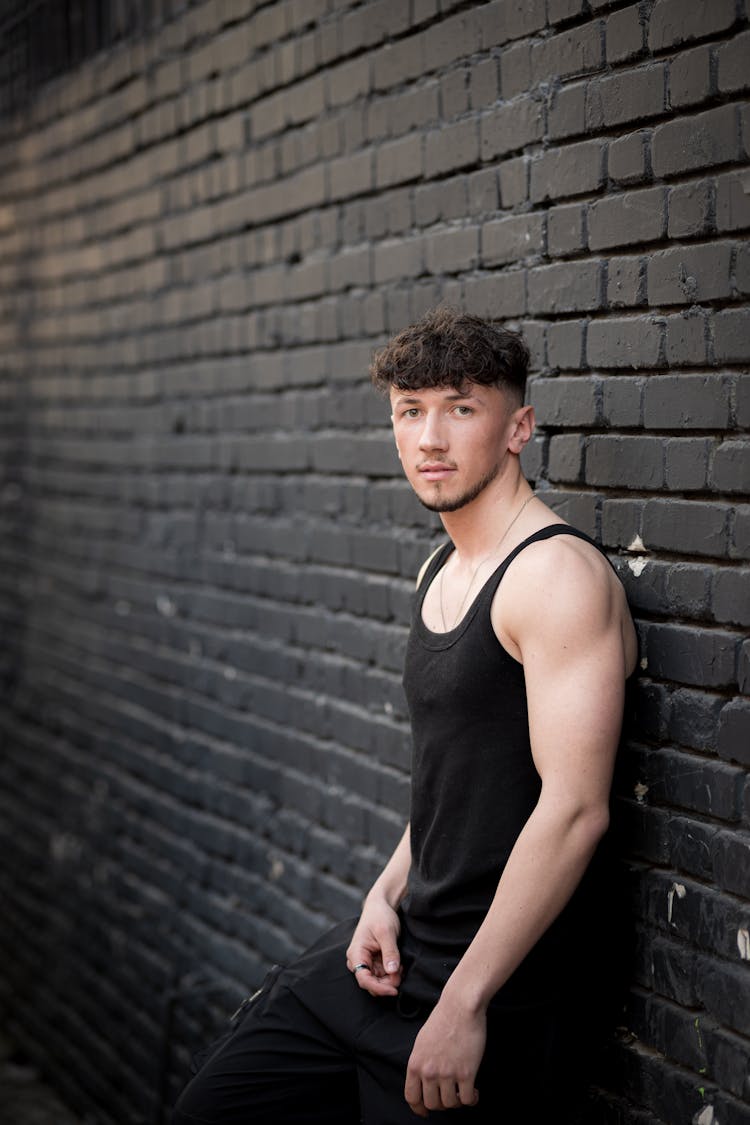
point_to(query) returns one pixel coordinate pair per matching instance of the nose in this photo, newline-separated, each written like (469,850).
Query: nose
(433,434)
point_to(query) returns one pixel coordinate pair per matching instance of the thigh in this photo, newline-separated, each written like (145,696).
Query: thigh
(278,1066)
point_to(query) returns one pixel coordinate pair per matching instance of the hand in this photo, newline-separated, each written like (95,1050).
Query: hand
(445,1059)
(375,944)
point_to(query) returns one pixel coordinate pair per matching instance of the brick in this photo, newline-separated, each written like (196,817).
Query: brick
(625,462)
(565,344)
(725,992)
(627,158)
(454,93)
(687,401)
(566,453)
(510,127)
(690,209)
(742,402)
(732,63)
(687,463)
(730,601)
(576,51)
(515,70)
(511,239)
(687,339)
(690,655)
(689,274)
(514,181)
(453,146)
(693,721)
(484,83)
(565,287)
(398,62)
(626,282)
(559,10)
(620,220)
(679,21)
(743,677)
(564,401)
(624,97)
(483,191)
(505,20)
(566,115)
(448,251)
(686,527)
(740,279)
(740,547)
(398,258)
(499,295)
(700,141)
(622,401)
(624,34)
(731,467)
(452,38)
(690,77)
(566,232)
(633,342)
(398,161)
(574,170)
(732,336)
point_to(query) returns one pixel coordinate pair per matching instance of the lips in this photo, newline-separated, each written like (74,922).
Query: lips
(435,470)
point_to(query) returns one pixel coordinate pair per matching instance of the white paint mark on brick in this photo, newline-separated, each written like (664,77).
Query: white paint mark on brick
(637,566)
(640,792)
(676,889)
(706,1116)
(276,869)
(743,943)
(166,606)
(637,544)
(644,663)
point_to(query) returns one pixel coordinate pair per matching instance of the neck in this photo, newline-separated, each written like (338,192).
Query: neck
(476,528)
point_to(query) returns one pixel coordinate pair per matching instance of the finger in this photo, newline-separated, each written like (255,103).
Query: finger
(413,1094)
(448,1094)
(431,1094)
(376,986)
(468,1093)
(389,955)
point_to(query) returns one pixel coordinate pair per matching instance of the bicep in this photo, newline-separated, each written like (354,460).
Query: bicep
(575,683)
(575,717)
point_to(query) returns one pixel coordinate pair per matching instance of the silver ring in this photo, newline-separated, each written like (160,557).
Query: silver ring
(362,965)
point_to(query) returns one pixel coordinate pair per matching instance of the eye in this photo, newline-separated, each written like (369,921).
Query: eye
(411,412)
(463,411)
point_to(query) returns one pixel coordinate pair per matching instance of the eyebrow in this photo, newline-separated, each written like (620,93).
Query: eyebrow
(448,398)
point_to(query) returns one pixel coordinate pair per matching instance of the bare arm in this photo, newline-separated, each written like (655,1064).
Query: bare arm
(375,940)
(569,635)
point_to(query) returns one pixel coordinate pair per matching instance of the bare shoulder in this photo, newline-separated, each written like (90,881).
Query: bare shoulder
(562,586)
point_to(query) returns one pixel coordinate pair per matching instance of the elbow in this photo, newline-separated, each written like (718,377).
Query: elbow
(594,823)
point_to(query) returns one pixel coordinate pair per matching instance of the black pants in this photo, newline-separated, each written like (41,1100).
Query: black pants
(313,1048)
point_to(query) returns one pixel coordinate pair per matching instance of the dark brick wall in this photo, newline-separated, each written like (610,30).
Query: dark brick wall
(207,551)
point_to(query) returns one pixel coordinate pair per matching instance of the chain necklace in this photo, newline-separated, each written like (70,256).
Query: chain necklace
(477,568)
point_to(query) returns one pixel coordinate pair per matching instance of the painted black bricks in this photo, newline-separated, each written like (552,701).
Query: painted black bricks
(207,549)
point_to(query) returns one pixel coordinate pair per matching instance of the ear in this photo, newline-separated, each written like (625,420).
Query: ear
(522,427)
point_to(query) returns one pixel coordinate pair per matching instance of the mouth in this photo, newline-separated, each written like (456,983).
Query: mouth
(435,470)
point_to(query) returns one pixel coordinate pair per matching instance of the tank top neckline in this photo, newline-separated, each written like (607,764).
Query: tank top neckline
(438,640)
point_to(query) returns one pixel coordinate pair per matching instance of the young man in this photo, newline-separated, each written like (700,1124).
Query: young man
(470,981)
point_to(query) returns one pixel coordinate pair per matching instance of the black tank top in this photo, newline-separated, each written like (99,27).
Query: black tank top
(474,786)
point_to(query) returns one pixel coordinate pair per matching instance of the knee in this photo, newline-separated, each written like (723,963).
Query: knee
(183,1114)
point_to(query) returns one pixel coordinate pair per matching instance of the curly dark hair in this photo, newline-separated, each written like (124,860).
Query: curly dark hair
(450,348)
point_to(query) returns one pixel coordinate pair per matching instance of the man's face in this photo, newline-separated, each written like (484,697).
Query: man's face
(452,443)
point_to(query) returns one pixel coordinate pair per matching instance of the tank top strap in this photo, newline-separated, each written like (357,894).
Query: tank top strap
(436,562)
(549,532)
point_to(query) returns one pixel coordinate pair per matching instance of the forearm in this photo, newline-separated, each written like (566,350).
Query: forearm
(544,868)
(391,883)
